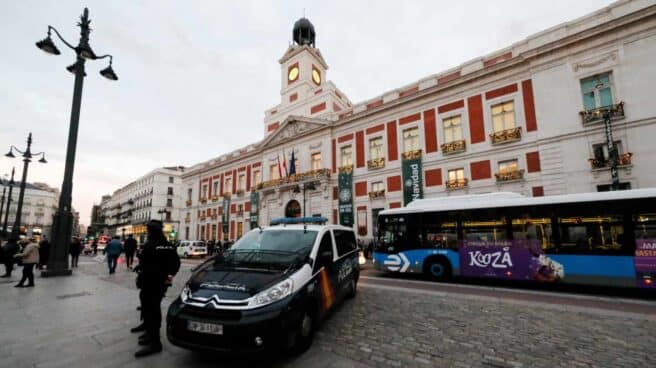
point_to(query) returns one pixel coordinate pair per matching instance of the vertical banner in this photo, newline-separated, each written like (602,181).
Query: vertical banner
(255,204)
(413,187)
(225,218)
(345,181)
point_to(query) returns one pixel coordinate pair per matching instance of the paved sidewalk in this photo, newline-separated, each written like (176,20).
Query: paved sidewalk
(84,321)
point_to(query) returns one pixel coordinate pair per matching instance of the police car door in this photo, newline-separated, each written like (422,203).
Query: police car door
(346,265)
(325,272)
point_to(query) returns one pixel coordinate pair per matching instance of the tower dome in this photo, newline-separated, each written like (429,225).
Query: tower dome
(304,32)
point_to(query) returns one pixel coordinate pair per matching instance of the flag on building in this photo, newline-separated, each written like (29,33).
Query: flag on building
(284,162)
(292,164)
(279,167)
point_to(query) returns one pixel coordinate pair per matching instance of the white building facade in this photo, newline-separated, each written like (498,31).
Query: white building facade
(156,195)
(526,119)
(39,206)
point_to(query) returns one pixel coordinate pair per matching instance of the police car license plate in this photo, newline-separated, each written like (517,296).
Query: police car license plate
(208,328)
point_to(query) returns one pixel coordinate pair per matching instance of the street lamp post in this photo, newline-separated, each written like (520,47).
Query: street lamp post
(63,218)
(2,204)
(27,158)
(307,186)
(11,187)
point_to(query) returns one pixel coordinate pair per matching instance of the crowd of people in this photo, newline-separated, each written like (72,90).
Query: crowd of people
(158,263)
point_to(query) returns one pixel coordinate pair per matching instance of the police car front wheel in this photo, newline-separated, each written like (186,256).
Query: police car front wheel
(304,334)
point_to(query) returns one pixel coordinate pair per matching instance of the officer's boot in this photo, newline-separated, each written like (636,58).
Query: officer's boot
(140,328)
(154,347)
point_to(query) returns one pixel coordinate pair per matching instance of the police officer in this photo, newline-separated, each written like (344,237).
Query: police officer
(158,263)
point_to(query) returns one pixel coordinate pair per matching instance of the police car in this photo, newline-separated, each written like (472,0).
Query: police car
(270,291)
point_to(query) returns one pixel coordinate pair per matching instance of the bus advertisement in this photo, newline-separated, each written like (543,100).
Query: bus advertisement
(589,238)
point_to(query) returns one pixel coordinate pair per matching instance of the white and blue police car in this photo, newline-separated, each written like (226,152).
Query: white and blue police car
(269,291)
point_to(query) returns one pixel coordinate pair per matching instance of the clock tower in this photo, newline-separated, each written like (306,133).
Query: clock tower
(304,90)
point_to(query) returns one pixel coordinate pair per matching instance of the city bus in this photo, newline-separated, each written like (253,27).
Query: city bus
(605,238)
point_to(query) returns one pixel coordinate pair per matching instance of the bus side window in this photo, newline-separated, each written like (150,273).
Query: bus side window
(534,229)
(591,235)
(441,235)
(487,230)
(645,226)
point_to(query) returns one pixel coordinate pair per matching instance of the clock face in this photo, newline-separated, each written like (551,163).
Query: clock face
(293,74)
(316,76)
(345,195)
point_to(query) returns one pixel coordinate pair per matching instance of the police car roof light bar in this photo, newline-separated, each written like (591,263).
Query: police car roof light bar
(299,220)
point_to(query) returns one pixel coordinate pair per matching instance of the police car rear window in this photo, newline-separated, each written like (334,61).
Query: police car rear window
(345,241)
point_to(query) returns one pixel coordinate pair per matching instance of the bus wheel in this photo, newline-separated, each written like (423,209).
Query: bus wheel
(438,269)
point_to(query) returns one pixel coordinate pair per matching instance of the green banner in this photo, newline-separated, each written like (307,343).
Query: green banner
(345,181)
(225,217)
(413,186)
(255,201)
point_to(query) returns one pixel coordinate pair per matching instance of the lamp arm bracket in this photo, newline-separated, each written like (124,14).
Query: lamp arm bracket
(16,149)
(60,37)
(105,57)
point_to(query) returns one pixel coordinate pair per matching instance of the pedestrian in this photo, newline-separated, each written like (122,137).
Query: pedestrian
(210,247)
(74,250)
(218,247)
(30,258)
(130,247)
(94,246)
(158,264)
(113,251)
(9,249)
(44,253)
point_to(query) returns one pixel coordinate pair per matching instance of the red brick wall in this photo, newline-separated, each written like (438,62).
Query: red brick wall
(335,193)
(248,178)
(374,104)
(533,161)
(395,205)
(392,144)
(293,97)
(409,91)
(221,185)
(497,59)
(376,129)
(360,188)
(333,155)
(433,177)
(233,208)
(335,217)
(430,131)
(501,91)
(359,149)
(451,106)
(234,181)
(476,126)
(247,206)
(345,138)
(409,118)
(232,230)
(317,108)
(272,127)
(529,106)
(448,77)
(394,183)
(481,170)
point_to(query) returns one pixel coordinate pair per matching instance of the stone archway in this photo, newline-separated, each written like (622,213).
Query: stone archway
(293,209)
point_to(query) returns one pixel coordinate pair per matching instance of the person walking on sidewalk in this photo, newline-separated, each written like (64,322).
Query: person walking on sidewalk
(75,250)
(9,249)
(44,253)
(158,264)
(30,258)
(130,247)
(113,250)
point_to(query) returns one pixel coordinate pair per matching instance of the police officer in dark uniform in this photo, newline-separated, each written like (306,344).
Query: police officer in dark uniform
(158,263)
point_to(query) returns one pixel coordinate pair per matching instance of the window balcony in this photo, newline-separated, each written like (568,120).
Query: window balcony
(227,195)
(188,203)
(345,169)
(203,200)
(187,219)
(411,155)
(454,147)
(456,184)
(240,192)
(377,194)
(215,198)
(510,176)
(506,136)
(296,178)
(616,112)
(214,217)
(623,160)
(203,217)
(377,163)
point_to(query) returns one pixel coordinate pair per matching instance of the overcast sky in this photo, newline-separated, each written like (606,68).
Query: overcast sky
(196,76)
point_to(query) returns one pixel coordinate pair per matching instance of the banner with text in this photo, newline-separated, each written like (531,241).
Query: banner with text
(413,186)
(255,199)
(225,218)
(346,198)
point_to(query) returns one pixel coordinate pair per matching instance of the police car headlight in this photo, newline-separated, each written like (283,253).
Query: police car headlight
(273,294)
(185,294)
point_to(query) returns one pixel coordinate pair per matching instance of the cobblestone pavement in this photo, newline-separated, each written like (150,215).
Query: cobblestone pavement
(83,320)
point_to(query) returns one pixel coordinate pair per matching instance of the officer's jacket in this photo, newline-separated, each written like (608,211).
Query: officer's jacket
(158,259)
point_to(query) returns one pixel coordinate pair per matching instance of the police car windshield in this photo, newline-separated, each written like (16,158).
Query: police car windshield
(272,248)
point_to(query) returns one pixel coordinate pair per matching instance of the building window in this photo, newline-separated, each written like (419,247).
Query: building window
(169,191)
(316,161)
(171,179)
(168,214)
(346,153)
(376,148)
(452,129)
(169,202)
(377,186)
(189,192)
(241,182)
(228,184)
(411,140)
(596,91)
(204,191)
(506,167)
(273,172)
(215,188)
(457,176)
(503,116)
(257,177)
